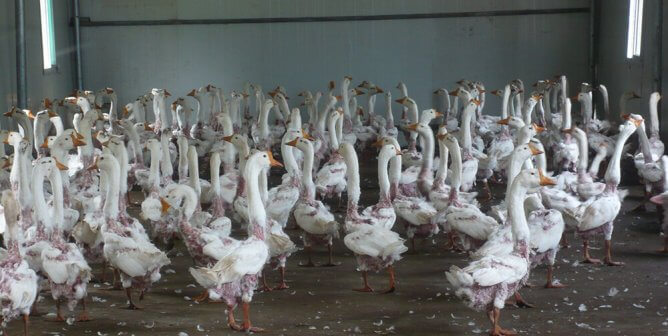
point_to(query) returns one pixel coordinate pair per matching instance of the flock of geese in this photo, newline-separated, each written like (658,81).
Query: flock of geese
(65,188)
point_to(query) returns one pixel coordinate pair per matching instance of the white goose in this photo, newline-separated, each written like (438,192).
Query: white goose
(235,277)
(311,215)
(375,245)
(485,284)
(136,258)
(62,263)
(597,215)
(417,211)
(331,178)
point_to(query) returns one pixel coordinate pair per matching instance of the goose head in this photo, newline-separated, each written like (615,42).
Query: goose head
(428,115)
(514,122)
(420,128)
(162,93)
(387,140)
(630,95)
(406,101)
(302,144)
(654,98)
(533,179)
(13,138)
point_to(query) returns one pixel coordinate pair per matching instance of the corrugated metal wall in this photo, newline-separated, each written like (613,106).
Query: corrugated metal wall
(425,54)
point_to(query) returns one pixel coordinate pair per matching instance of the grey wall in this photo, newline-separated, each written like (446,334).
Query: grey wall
(621,74)
(40,84)
(425,54)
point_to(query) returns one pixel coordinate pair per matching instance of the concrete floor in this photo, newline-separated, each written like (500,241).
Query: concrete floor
(629,300)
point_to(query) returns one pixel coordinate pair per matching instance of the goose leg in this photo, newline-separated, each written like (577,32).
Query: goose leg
(665,245)
(330,263)
(248,327)
(282,285)
(310,263)
(265,287)
(231,321)
(390,270)
(564,241)
(587,258)
(519,301)
(496,328)
(550,283)
(26,323)
(202,297)
(59,313)
(84,314)
(366,287)
(131,305)
(608,255)
(488,190)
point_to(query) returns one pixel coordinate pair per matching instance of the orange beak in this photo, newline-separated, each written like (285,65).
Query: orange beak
(76,142)
(228,138)
(273,162)
(293,143)
(126,112)
(379,90)
(454,93)
(164,205)
(638,122)
(45,144)
(191,93)
(504,121)
(60,165)
(438,114)
(534,150)
(339,98)
(147,127)
(626,116)
(30,115)
(93,166)
(378,143)
(442,136)
(538,128)
(567,130)
(167,94)
(398,152)
(52,114)
(412,127)
(7,114)
(402,100)
(475,101)
(544,180)
(79,136)
(307,136)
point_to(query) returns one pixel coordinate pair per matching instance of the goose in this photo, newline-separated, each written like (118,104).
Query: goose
(25,124)
(282,198)
(662,200)
(485,284)
(136,258)
(311,215)
(647,162)
(41,126)
(410,156)
(439,195)
(160,123)
(596,216)
(375,245)
(417,211)
(450,119)
(464,219)
(469,160)
(260,132)
(566,151)
(234,278)
(586,188)
(62,263)
(330,179)
(19,282)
